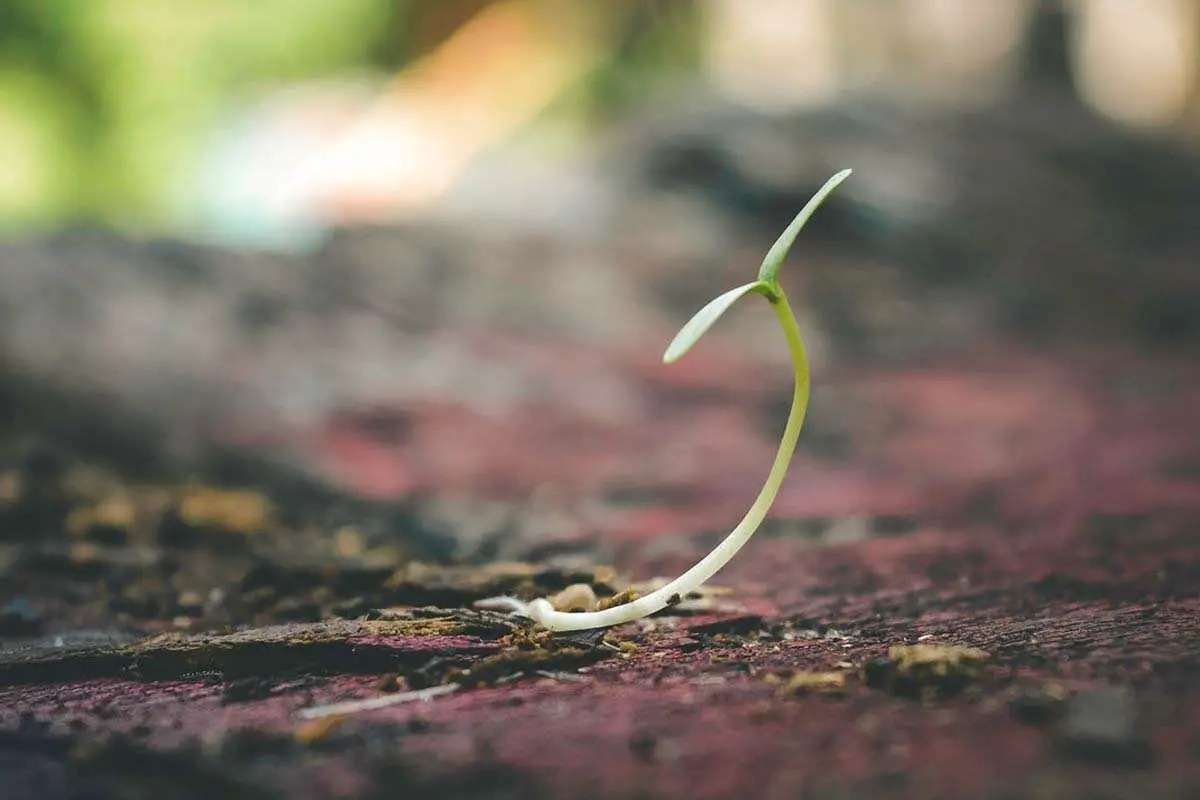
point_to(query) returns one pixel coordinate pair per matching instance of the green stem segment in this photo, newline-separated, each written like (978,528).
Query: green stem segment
(543,612)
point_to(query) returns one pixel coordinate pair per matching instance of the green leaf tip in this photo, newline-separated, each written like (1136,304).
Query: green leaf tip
(768,273)
(704,319)
(766,285)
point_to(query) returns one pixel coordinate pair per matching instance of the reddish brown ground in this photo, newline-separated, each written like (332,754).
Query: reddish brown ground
(1044,510)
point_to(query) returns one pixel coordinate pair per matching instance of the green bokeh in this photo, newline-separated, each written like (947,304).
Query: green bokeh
(103,102)
(106,105)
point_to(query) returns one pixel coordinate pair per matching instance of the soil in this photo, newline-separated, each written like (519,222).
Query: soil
(980,580)
(946,621)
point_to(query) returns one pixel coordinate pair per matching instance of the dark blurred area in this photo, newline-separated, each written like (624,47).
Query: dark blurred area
(396,250)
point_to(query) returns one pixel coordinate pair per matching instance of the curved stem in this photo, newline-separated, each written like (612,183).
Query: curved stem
(542,612)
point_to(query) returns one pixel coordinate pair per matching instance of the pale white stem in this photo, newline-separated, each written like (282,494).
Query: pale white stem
(544,613)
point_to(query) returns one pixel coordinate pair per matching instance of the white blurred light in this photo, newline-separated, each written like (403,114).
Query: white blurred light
(772,53)
(1136,58)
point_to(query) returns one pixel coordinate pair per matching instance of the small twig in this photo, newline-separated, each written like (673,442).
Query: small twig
(516,676)
(565,677)
(372,703)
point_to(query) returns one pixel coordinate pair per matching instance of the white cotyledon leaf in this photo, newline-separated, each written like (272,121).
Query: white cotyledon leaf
(704,319)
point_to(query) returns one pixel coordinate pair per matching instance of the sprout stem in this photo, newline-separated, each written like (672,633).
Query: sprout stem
(544,613)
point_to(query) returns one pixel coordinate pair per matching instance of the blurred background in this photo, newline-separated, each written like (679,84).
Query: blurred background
(434,250)
(319,310)
(260,123)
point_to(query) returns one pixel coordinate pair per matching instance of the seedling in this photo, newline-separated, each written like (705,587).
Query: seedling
(542,610)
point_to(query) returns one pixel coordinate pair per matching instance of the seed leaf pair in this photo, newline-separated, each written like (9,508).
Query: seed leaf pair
(766,285)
